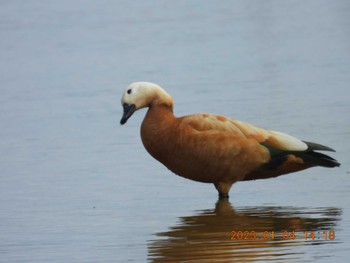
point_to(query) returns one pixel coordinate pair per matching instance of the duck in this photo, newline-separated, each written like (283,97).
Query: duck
(216,149)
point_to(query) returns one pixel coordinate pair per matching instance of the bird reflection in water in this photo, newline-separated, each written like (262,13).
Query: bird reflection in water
(271,232)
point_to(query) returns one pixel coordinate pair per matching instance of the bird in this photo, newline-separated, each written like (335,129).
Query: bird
(216,149)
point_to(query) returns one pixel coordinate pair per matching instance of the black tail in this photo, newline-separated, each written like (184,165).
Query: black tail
(315,158)
(318,159)
(278,164)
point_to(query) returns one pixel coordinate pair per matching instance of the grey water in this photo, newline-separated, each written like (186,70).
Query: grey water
(75,186)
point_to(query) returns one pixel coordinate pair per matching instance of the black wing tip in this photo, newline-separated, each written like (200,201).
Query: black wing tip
(317,147)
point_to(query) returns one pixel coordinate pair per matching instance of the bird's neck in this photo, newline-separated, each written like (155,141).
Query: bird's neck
(158,117)
(157,128)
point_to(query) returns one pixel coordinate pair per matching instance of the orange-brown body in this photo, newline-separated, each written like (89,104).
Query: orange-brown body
(214,149)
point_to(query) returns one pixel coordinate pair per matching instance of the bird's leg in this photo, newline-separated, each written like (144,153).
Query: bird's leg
(223,196)
(223,189)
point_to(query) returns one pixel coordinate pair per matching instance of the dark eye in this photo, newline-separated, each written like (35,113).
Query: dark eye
(129,91)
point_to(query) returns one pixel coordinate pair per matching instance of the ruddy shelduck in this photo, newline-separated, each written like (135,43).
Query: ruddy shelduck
(214,149)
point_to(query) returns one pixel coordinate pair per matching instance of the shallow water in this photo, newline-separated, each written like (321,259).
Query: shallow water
(260,233)
(75,186)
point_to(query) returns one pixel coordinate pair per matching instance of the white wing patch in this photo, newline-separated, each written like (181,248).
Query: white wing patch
(287,142)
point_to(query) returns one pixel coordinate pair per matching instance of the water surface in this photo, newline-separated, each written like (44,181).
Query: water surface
(75,186)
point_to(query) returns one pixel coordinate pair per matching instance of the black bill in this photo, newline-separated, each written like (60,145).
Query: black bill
(129,109)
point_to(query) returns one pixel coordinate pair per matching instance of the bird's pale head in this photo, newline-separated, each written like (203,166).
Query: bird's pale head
(139,95)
